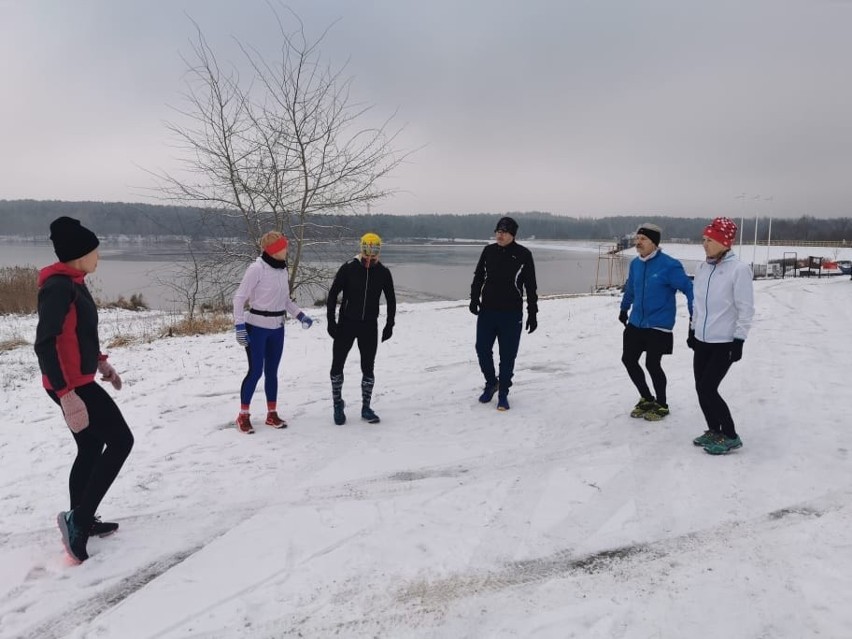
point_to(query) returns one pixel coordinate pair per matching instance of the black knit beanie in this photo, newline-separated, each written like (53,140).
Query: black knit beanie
(651,231)
(71,239)
(508,225)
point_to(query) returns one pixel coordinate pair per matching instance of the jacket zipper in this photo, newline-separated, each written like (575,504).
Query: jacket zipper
(706,300)
(366,286)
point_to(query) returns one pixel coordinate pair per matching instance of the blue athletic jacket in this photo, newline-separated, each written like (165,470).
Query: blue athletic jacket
(650,291)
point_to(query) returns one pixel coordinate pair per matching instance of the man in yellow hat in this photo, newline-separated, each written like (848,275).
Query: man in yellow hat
(362,280)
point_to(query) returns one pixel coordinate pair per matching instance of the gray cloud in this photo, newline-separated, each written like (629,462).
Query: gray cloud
(575,107)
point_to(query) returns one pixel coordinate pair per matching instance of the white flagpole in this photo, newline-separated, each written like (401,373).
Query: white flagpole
(768,244)
(754,250)
(770,199)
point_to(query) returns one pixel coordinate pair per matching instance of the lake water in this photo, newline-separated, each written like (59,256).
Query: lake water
(424,272)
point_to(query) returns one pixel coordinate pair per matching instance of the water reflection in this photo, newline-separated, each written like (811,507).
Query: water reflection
(423,272)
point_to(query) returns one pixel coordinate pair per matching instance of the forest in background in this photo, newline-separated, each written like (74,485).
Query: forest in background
(31,219)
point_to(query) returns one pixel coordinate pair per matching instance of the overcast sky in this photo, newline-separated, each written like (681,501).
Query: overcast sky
(581,108)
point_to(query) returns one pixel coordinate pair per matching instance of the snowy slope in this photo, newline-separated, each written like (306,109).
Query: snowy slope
(563,517)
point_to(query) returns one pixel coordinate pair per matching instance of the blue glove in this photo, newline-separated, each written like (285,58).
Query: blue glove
(242,335)
(305,320)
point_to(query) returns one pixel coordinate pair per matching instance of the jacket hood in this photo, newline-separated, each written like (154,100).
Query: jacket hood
(60,268)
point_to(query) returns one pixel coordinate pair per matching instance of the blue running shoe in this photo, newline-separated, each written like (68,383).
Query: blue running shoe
(488,392)
(722,445)
(502,402)
(73,537)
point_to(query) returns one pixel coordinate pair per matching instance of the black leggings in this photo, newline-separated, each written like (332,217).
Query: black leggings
(367,334)
(710,365)
(654,344)
(102,448)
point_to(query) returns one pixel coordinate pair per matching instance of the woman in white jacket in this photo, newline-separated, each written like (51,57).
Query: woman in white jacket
(260,329)
(724,307)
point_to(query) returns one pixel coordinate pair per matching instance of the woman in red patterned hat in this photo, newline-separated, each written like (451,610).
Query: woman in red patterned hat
(724,307)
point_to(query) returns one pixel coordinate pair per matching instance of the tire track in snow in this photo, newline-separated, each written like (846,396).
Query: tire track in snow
(63,622)
(564,563)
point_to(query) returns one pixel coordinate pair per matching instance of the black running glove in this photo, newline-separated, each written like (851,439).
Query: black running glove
(737,350)
(474,307)
(622,317)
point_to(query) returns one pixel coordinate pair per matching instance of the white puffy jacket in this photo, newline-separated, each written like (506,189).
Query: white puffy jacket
(724,300)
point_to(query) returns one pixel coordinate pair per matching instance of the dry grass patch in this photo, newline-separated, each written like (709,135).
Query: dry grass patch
(120,340)
(13,343)
(18,289)
(135,303)
(200,325)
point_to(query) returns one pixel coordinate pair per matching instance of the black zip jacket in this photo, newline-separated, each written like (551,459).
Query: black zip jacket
(361,287)
(501,275)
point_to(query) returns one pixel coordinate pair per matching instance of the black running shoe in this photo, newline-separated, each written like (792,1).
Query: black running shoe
(102,528)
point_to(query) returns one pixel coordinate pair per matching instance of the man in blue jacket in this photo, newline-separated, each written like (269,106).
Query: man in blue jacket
(649,294)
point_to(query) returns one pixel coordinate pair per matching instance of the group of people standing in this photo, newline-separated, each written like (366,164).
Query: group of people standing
(265,289)
(721,307)
(67,344)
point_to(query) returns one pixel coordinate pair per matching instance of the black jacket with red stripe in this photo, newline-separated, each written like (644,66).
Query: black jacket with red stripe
(66,341)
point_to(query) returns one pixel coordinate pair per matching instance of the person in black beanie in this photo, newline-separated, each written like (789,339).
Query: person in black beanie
(69,356)
(649,294)
(505,269)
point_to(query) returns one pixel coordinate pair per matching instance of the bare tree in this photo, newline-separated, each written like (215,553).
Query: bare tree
(282,150)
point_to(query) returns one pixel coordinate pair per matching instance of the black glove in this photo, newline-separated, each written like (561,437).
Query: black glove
(690,341)
(387,332)
(332,328)
(532,322)
(737,350)
(474,307)
(622,317)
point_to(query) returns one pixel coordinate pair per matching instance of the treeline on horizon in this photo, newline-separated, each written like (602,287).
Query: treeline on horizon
(31,219)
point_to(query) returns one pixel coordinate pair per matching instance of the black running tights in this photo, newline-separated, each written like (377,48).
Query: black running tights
(102,448)
(653,362)
(710,364)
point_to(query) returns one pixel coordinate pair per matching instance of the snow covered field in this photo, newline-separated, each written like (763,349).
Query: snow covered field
(561,518)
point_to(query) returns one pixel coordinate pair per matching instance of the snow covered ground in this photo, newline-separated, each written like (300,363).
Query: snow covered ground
(563,517)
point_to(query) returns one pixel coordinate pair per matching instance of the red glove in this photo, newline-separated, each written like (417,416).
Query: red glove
(75,411)
(109,374)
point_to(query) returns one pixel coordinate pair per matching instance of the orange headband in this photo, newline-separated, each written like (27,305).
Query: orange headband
(277,246)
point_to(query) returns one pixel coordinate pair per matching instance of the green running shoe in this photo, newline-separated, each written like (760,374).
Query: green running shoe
(642,407)
(656,412)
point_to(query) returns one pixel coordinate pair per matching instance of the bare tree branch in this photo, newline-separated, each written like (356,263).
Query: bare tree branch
(279,150)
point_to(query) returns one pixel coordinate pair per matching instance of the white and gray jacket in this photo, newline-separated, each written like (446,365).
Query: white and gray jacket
(264,288)
(724,300)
